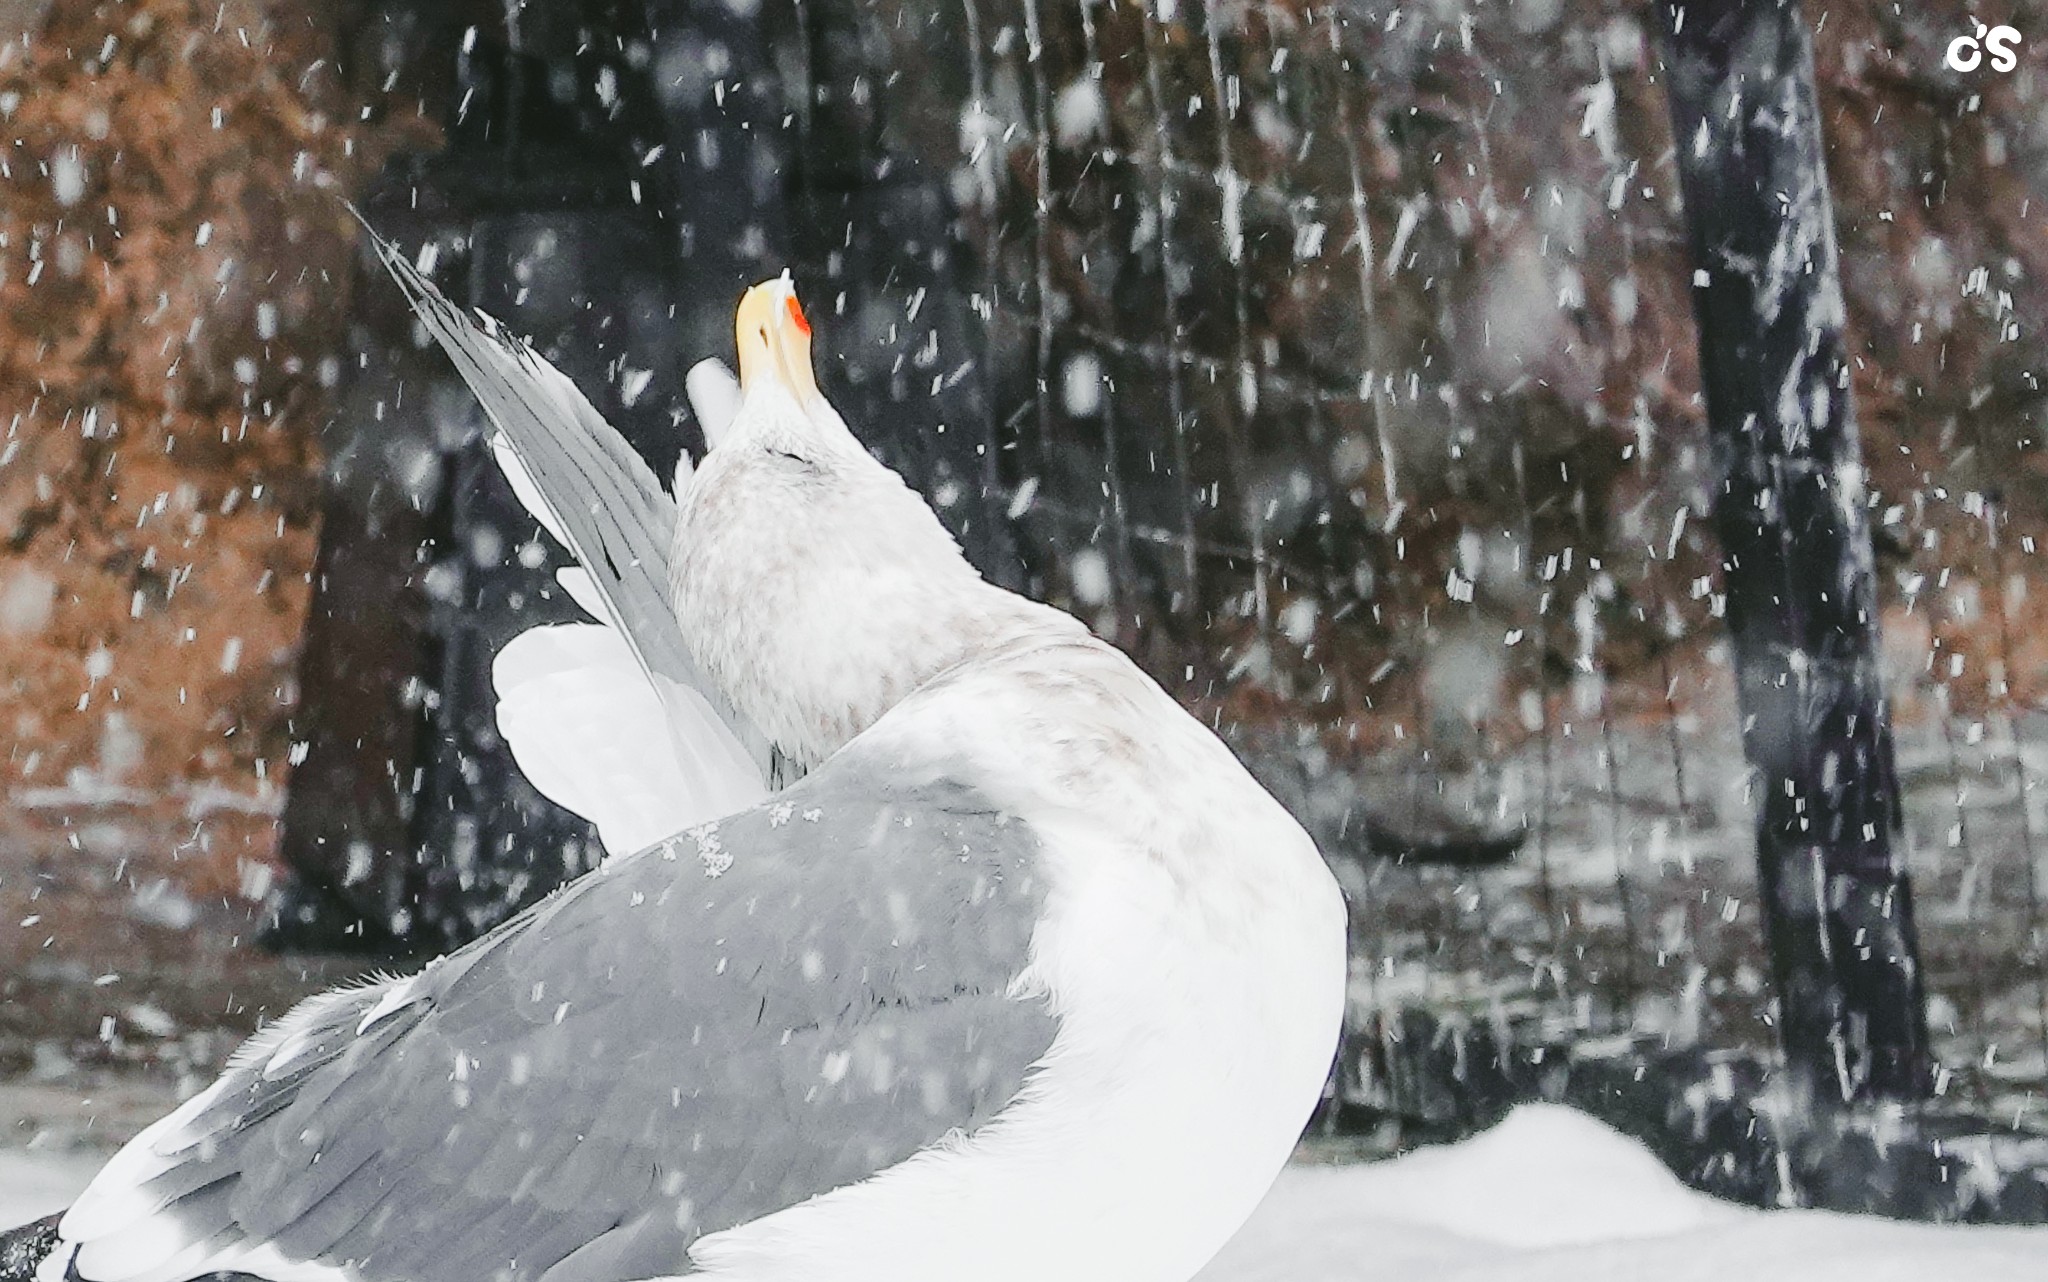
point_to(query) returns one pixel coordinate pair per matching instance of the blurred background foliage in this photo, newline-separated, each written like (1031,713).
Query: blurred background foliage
(175,274)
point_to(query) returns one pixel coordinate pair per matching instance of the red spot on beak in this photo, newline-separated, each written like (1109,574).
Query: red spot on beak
(797,317)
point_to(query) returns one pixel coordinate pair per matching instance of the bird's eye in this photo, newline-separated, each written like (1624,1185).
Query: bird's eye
(794,458)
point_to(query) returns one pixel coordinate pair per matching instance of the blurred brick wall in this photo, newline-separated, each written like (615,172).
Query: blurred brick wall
(174,280)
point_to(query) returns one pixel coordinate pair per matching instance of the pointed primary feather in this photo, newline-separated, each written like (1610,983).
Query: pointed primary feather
(589,488)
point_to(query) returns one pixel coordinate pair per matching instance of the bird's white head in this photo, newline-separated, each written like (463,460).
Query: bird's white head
(814,586)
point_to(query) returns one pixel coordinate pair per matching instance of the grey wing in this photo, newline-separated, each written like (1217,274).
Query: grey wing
(745,1016)
(604,500)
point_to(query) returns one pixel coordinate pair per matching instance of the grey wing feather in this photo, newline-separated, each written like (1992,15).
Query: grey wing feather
(726,1024)
(618,521)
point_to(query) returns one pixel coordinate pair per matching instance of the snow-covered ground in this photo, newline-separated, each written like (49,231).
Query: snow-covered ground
(1549,1195)
(34,1184)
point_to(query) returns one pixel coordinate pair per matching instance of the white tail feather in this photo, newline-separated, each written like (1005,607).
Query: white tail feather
(588,731)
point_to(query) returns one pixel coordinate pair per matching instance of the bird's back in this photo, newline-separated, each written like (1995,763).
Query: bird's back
(762,1009)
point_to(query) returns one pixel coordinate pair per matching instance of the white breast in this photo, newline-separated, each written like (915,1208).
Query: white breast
(1193,948)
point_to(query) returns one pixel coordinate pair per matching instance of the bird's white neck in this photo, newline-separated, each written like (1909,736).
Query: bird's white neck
(818,595)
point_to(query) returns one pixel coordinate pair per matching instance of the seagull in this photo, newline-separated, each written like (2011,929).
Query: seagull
(970,954)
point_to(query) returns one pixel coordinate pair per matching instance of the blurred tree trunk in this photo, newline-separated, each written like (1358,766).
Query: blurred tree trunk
(1838,907)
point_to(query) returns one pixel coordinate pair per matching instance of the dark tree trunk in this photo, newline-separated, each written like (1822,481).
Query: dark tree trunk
(1838,908)
(408,827)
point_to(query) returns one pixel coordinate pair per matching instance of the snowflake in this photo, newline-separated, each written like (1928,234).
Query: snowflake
(709,849)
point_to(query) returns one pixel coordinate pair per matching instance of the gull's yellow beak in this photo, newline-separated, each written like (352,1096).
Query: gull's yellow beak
(774,339)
